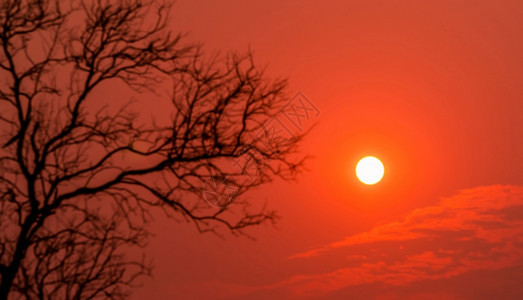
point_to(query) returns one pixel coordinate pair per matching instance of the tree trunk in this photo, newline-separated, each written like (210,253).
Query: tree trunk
(10,271)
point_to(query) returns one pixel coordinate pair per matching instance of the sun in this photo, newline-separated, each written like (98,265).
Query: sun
(370,170)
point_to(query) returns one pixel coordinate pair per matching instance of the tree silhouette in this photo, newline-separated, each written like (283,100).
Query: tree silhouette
(79,180)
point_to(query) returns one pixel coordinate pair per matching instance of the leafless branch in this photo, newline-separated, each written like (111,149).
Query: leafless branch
(71,203)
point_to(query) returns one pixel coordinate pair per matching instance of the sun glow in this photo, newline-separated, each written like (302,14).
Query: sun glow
(370,170)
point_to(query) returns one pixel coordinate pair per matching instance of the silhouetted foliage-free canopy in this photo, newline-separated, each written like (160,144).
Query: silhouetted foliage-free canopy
(81,173)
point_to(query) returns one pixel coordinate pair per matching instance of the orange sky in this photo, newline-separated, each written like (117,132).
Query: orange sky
(432,88)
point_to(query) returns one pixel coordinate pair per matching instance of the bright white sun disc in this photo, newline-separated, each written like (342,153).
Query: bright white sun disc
(370,170)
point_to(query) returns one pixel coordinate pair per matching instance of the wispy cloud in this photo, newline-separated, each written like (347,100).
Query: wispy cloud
(483,213)
(477,230)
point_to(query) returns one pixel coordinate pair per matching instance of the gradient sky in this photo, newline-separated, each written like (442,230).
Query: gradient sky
(432,88)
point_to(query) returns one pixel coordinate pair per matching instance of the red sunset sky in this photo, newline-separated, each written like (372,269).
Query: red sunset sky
(432,88)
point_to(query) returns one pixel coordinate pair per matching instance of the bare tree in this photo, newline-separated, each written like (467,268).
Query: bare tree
(79,180)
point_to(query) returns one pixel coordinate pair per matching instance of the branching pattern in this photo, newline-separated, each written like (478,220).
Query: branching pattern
(79,180)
